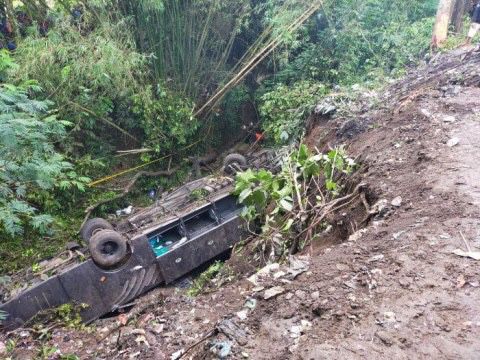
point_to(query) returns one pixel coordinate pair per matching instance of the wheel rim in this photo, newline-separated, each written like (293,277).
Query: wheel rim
(109,248)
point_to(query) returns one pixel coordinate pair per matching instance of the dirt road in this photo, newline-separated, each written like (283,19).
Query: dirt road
(392,290)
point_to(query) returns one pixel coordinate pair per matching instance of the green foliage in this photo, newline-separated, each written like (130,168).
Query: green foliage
(351,41)
(30,166)
(191,40)
(204,279)
(280,200)
(92,76)
(69,315)
(285,109)
(166,118)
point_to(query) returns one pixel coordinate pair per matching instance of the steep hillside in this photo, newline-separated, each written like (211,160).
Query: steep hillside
(401,281)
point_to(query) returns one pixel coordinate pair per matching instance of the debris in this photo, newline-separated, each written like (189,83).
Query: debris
(250,303)
(233,331)
(397,202)
(126,211)
(325,108)
(142,340)
(316,295)
(279,274)
(475,255)
(453,142)
(298,265)
(265,271)
(461,282)
(158,329)
(245,355)
(426,113)
(258,288)
(357,235)
(243,314)
(389,317)
(449,119)
(342,267)
(376,258)
(123,319)
(297,330)
(221,348)
(300,294)
(273,292)
(399,234)
(177,355)
(385,338)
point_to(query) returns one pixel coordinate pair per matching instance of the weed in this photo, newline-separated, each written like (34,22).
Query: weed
(285,202)
(202,281)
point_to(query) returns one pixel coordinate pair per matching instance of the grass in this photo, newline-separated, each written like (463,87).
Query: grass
(204,279)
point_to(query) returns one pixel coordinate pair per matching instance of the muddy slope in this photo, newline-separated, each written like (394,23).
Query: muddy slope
(393,290)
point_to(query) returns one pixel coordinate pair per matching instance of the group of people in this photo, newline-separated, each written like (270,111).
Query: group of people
(22,22)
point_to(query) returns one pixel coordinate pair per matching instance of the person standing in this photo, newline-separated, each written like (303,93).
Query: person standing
(475,27)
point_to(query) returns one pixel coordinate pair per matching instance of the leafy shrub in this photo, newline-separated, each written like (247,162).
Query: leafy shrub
(92,75)
(351,41)
(281,193)
(285,109)
(30,167)
(167,119)
(287,202)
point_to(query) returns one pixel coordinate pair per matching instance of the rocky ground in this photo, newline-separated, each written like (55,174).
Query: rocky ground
(407,286)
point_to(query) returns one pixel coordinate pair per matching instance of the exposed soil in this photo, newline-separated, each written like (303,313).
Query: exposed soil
(392,290)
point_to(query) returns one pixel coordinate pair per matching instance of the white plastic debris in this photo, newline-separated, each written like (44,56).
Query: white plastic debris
(453,142)
(475,255)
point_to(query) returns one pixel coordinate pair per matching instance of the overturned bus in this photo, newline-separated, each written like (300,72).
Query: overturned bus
(181,231)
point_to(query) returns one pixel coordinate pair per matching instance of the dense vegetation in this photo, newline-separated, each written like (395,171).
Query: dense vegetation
(89,79)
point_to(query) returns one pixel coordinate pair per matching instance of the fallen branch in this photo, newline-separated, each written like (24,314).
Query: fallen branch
(127,189)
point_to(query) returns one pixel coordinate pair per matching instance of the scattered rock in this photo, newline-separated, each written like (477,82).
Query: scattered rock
(342,267)
(376,258)
(177,355)
(300,294)
(453,142)
(221,349)
(243,314)
(397,202)
(386,338)
(298,265)
(389,317)
(449,119)
(295,331)
(461,282)
(158,329)
(3,348)
(273,292)
(315,295)
(405,282)
(233,331)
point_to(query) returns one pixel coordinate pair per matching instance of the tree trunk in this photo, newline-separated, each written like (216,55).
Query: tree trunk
(458,14)
(440,30)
